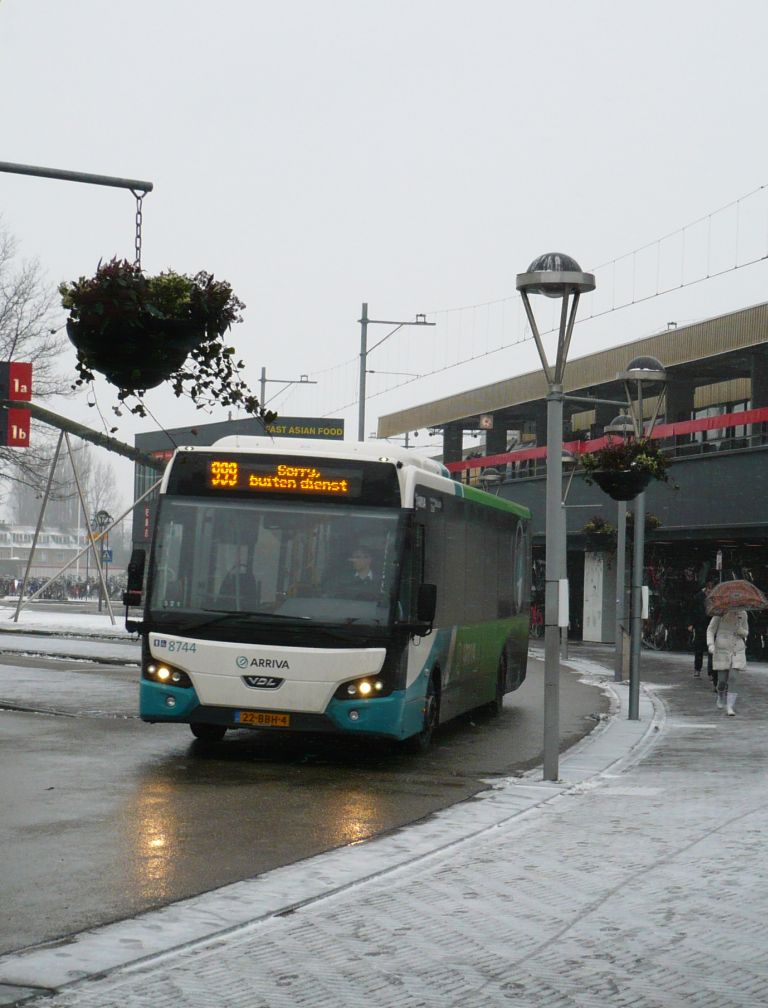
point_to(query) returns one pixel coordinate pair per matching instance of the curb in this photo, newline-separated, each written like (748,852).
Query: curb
(33,631)
(95,660)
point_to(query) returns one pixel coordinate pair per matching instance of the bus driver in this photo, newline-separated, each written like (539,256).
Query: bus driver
(362,572)
(359,581)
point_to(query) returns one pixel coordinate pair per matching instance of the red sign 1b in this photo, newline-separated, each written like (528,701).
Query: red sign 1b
(14,428)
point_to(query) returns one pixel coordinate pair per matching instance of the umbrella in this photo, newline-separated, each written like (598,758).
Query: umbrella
(734,595)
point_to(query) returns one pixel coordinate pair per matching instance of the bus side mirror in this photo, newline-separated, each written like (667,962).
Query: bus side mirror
(426,606)
(132,596)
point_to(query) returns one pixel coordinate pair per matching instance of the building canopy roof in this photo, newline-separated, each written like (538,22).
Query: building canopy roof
(704,353)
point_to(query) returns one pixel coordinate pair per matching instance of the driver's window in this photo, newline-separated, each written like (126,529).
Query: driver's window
(169,584)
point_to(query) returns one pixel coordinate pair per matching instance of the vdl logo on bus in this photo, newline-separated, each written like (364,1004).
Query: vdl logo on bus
(262,681)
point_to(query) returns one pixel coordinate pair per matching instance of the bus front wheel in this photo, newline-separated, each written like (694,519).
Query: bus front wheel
(421,741)
(208,732)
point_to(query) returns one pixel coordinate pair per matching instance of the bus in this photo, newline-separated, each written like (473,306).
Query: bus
(252,616)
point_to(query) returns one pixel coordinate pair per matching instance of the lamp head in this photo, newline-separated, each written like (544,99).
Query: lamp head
(622,425)
(555,275)
(644,369)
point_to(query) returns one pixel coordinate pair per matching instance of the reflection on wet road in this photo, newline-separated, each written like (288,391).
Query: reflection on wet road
(104,816)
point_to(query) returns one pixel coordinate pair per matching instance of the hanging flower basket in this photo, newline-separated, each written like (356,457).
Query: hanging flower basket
(623,469)
(135,356)
(600,535)
(651,523)
(139,331)
(622,485)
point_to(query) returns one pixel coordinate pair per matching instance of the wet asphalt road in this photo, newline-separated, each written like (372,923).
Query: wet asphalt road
(104,816)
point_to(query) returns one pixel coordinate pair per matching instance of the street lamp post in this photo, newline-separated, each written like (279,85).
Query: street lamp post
(557,276)
(569,460)
(101,522)
(643,371)
(105,555)
(420,320)
(624,426)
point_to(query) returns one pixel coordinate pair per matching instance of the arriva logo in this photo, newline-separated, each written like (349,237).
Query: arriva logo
(266,663)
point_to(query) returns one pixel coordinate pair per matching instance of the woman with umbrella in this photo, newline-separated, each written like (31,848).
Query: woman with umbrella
(727,633)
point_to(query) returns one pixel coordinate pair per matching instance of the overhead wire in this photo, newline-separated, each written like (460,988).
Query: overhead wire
(635,298)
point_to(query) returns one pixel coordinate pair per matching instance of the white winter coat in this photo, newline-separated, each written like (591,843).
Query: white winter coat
(727,635)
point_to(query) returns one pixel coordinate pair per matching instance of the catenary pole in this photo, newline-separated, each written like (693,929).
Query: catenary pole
(365,321)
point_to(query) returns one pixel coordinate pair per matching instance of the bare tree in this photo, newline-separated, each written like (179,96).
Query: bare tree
(28,326)
(99,482)
(30,331)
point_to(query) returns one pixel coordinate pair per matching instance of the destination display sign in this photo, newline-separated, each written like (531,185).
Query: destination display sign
(311,479)
(275,478)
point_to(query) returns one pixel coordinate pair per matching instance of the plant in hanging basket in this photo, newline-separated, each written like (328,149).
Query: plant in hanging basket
(623,468)
(600,534)
(139,331)
(652,522)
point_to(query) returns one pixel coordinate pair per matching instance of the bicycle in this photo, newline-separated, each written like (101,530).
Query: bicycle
(655,635)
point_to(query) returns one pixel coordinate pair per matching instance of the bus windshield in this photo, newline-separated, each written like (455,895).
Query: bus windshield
(268,560)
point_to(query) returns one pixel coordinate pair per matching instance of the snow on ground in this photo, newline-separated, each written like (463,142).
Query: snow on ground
(32,620)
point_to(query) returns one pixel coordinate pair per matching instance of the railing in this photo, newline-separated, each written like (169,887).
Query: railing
(748,429)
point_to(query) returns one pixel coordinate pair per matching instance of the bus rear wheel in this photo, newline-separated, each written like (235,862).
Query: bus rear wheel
(208,732)
(421,742)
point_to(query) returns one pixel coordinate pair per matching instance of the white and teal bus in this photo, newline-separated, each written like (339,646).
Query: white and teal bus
(252,617)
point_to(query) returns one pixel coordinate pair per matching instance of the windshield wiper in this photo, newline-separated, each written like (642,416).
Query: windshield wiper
(199,624)
(258,616)
(224,616)
(337,632)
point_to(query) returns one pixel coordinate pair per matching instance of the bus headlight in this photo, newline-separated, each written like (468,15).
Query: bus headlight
(168,675)
(362,689)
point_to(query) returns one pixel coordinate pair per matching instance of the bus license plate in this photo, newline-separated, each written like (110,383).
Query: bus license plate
(264,719)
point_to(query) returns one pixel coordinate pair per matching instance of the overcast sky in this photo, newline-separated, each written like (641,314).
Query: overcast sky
(414,154)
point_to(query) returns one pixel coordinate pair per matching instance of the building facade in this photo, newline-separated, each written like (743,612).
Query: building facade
(714,426)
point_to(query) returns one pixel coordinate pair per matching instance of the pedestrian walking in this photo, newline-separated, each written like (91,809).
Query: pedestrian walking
(726,639)
(699,621)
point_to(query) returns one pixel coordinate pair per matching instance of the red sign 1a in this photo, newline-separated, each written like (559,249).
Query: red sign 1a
(16,381)
(14,428)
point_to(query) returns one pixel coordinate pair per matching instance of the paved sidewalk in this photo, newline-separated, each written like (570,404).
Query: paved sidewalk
(638,879)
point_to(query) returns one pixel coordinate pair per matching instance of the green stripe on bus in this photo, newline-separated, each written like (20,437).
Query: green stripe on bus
(490,500)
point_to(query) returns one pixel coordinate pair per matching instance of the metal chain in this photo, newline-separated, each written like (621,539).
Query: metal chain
(139,199)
